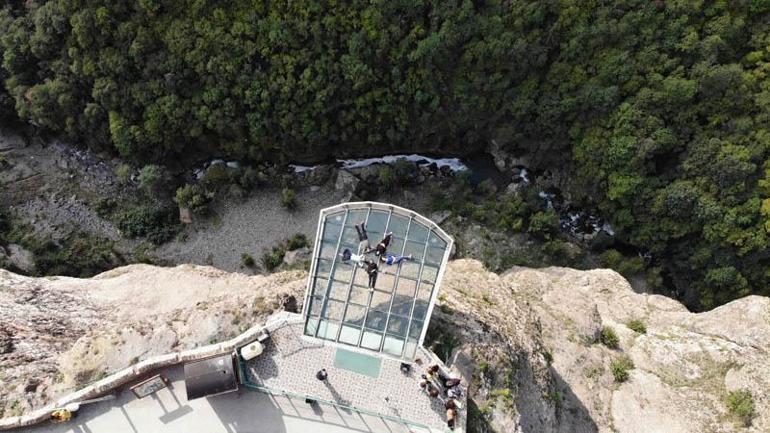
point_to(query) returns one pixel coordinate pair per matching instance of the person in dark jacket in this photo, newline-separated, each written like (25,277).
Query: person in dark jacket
(382,247)
(371,270)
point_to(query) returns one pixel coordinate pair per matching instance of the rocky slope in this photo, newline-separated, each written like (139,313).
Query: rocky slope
(59,333)
(527,340)
(685,363)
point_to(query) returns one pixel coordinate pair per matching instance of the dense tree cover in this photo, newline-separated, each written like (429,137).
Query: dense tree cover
(681,158)
(152,78)
(663,105)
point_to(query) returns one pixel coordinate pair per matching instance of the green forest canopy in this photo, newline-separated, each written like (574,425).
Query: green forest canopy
(664,105)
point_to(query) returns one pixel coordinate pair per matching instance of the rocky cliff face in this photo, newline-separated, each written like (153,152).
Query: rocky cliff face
(528,341)
(549,322)
(58,334)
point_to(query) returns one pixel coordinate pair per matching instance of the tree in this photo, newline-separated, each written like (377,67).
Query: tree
(193,197)
(150,179)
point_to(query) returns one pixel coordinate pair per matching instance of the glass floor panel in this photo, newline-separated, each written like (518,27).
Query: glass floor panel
(341,295)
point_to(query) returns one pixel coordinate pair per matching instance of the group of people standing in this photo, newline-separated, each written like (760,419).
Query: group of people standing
(435,383)
(380,252)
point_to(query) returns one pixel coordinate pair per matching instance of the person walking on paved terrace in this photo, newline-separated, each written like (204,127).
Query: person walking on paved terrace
(322,375)
(390,259)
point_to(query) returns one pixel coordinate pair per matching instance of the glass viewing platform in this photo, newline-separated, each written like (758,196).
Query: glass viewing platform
(391,319)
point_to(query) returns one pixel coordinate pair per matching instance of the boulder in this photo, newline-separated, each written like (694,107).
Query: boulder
(500,157)
(296,257)
(21,258)
(370,173)
(441,216)
(346,182)
(319,175)
(185,216)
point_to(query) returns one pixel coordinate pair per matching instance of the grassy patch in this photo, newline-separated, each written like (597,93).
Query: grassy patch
(609,338)
(288,198)
(273,258)
(296,242)
(637,326)
(740,403)
(247,260)
(620,366)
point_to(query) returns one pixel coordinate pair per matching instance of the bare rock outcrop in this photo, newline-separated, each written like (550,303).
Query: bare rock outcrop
(685,363)
(58,334)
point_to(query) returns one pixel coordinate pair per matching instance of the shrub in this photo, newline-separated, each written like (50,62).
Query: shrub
(609,338)
(105,206)
(251,178)
(123,173)
(631,266)
(741,404)
(296,242)
(556,248)
(637,325)
(150,177)
(611,258)
(620,367)
(78,255)
(156,224)
(403,171)
(193,197)
(486,187)
(626,266)
(654,279)
(273,258)
(216,176)
(387,177)
(247,260)
(288,197)
(544,225)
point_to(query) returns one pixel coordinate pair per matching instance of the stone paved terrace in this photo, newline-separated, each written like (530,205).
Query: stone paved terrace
(290,361)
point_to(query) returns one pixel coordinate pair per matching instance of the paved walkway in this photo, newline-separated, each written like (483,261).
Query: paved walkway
(291,360)
(168,411)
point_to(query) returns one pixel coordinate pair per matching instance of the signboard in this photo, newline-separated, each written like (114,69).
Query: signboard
(149,386)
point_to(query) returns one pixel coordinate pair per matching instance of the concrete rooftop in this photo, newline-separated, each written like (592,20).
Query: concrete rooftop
(291,360)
